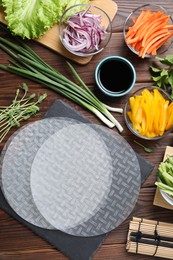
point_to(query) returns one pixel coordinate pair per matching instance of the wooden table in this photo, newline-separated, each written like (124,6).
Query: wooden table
(16,241)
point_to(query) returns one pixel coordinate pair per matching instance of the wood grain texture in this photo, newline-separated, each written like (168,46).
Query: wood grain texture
(18,242)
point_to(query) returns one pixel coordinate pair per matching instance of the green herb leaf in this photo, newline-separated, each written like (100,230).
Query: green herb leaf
(156,79)
(31,96)
(25,87)
(163,78)
(17,92)
(168,60)
(170,78)
(146,149)
(154,69)
(42,97)
(164,72)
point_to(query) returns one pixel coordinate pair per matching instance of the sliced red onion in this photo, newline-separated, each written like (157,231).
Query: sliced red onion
(84,32)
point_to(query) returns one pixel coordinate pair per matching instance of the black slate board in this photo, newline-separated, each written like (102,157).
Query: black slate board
(76,248)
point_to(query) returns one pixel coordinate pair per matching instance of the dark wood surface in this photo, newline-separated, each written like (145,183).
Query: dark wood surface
(16,241)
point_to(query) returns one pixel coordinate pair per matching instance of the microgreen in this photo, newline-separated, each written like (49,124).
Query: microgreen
(21,108)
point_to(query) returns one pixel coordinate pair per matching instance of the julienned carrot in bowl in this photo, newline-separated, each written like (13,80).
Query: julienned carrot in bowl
(149,31)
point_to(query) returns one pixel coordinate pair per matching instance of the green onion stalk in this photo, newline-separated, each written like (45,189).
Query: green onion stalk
(26,63)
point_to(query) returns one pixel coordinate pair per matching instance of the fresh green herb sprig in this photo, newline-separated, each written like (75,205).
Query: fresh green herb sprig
(28,64)
(165,176)
(146,149)
(21,108)
(163,77)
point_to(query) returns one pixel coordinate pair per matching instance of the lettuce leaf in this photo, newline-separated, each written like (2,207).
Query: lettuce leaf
(65,4)
(75,2)
(32,18)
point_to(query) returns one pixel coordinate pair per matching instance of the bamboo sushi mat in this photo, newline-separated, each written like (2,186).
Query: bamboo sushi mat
(149,237)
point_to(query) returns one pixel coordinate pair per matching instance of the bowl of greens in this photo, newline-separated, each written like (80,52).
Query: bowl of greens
(165,179)
(84,29)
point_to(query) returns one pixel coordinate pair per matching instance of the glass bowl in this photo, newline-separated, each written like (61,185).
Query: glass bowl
(167,197)
(93,31)
(128,108)
(130,21)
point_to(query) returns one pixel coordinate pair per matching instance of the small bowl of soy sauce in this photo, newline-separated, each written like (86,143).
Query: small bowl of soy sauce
(115,76)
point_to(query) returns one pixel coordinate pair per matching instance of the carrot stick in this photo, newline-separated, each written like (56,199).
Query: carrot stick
(154,26)
(161,37)
(169,27)
(142,19)
(131,28)
(138,24)
(130,41)
(130,32)
(145,42)
(158,44)
(149,25)
(154,52)
(138,46)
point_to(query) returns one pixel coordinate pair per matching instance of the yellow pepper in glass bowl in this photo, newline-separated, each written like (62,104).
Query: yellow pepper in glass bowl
(149,113)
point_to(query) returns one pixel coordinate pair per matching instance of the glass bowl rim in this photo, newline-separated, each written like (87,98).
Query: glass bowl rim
(83,54)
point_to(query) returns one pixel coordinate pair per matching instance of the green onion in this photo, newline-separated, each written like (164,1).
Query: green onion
(28,64)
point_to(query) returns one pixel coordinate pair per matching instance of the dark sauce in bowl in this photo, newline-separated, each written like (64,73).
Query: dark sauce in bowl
(115,76)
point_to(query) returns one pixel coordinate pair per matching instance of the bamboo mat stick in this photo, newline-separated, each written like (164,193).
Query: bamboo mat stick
(154,222)
(150,250)
(150,237)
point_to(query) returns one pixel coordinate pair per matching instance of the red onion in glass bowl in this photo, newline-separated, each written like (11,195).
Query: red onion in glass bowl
(85,30)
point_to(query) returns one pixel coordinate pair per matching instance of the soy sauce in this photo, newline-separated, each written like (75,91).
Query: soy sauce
(115,76)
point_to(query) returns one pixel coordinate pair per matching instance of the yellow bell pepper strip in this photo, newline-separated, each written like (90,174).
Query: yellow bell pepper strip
(135,111)
(146,105)
(153,112)
(163,117)
(170,118)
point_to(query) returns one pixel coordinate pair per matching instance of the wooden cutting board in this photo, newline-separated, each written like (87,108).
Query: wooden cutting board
(51,38)
(158,199)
